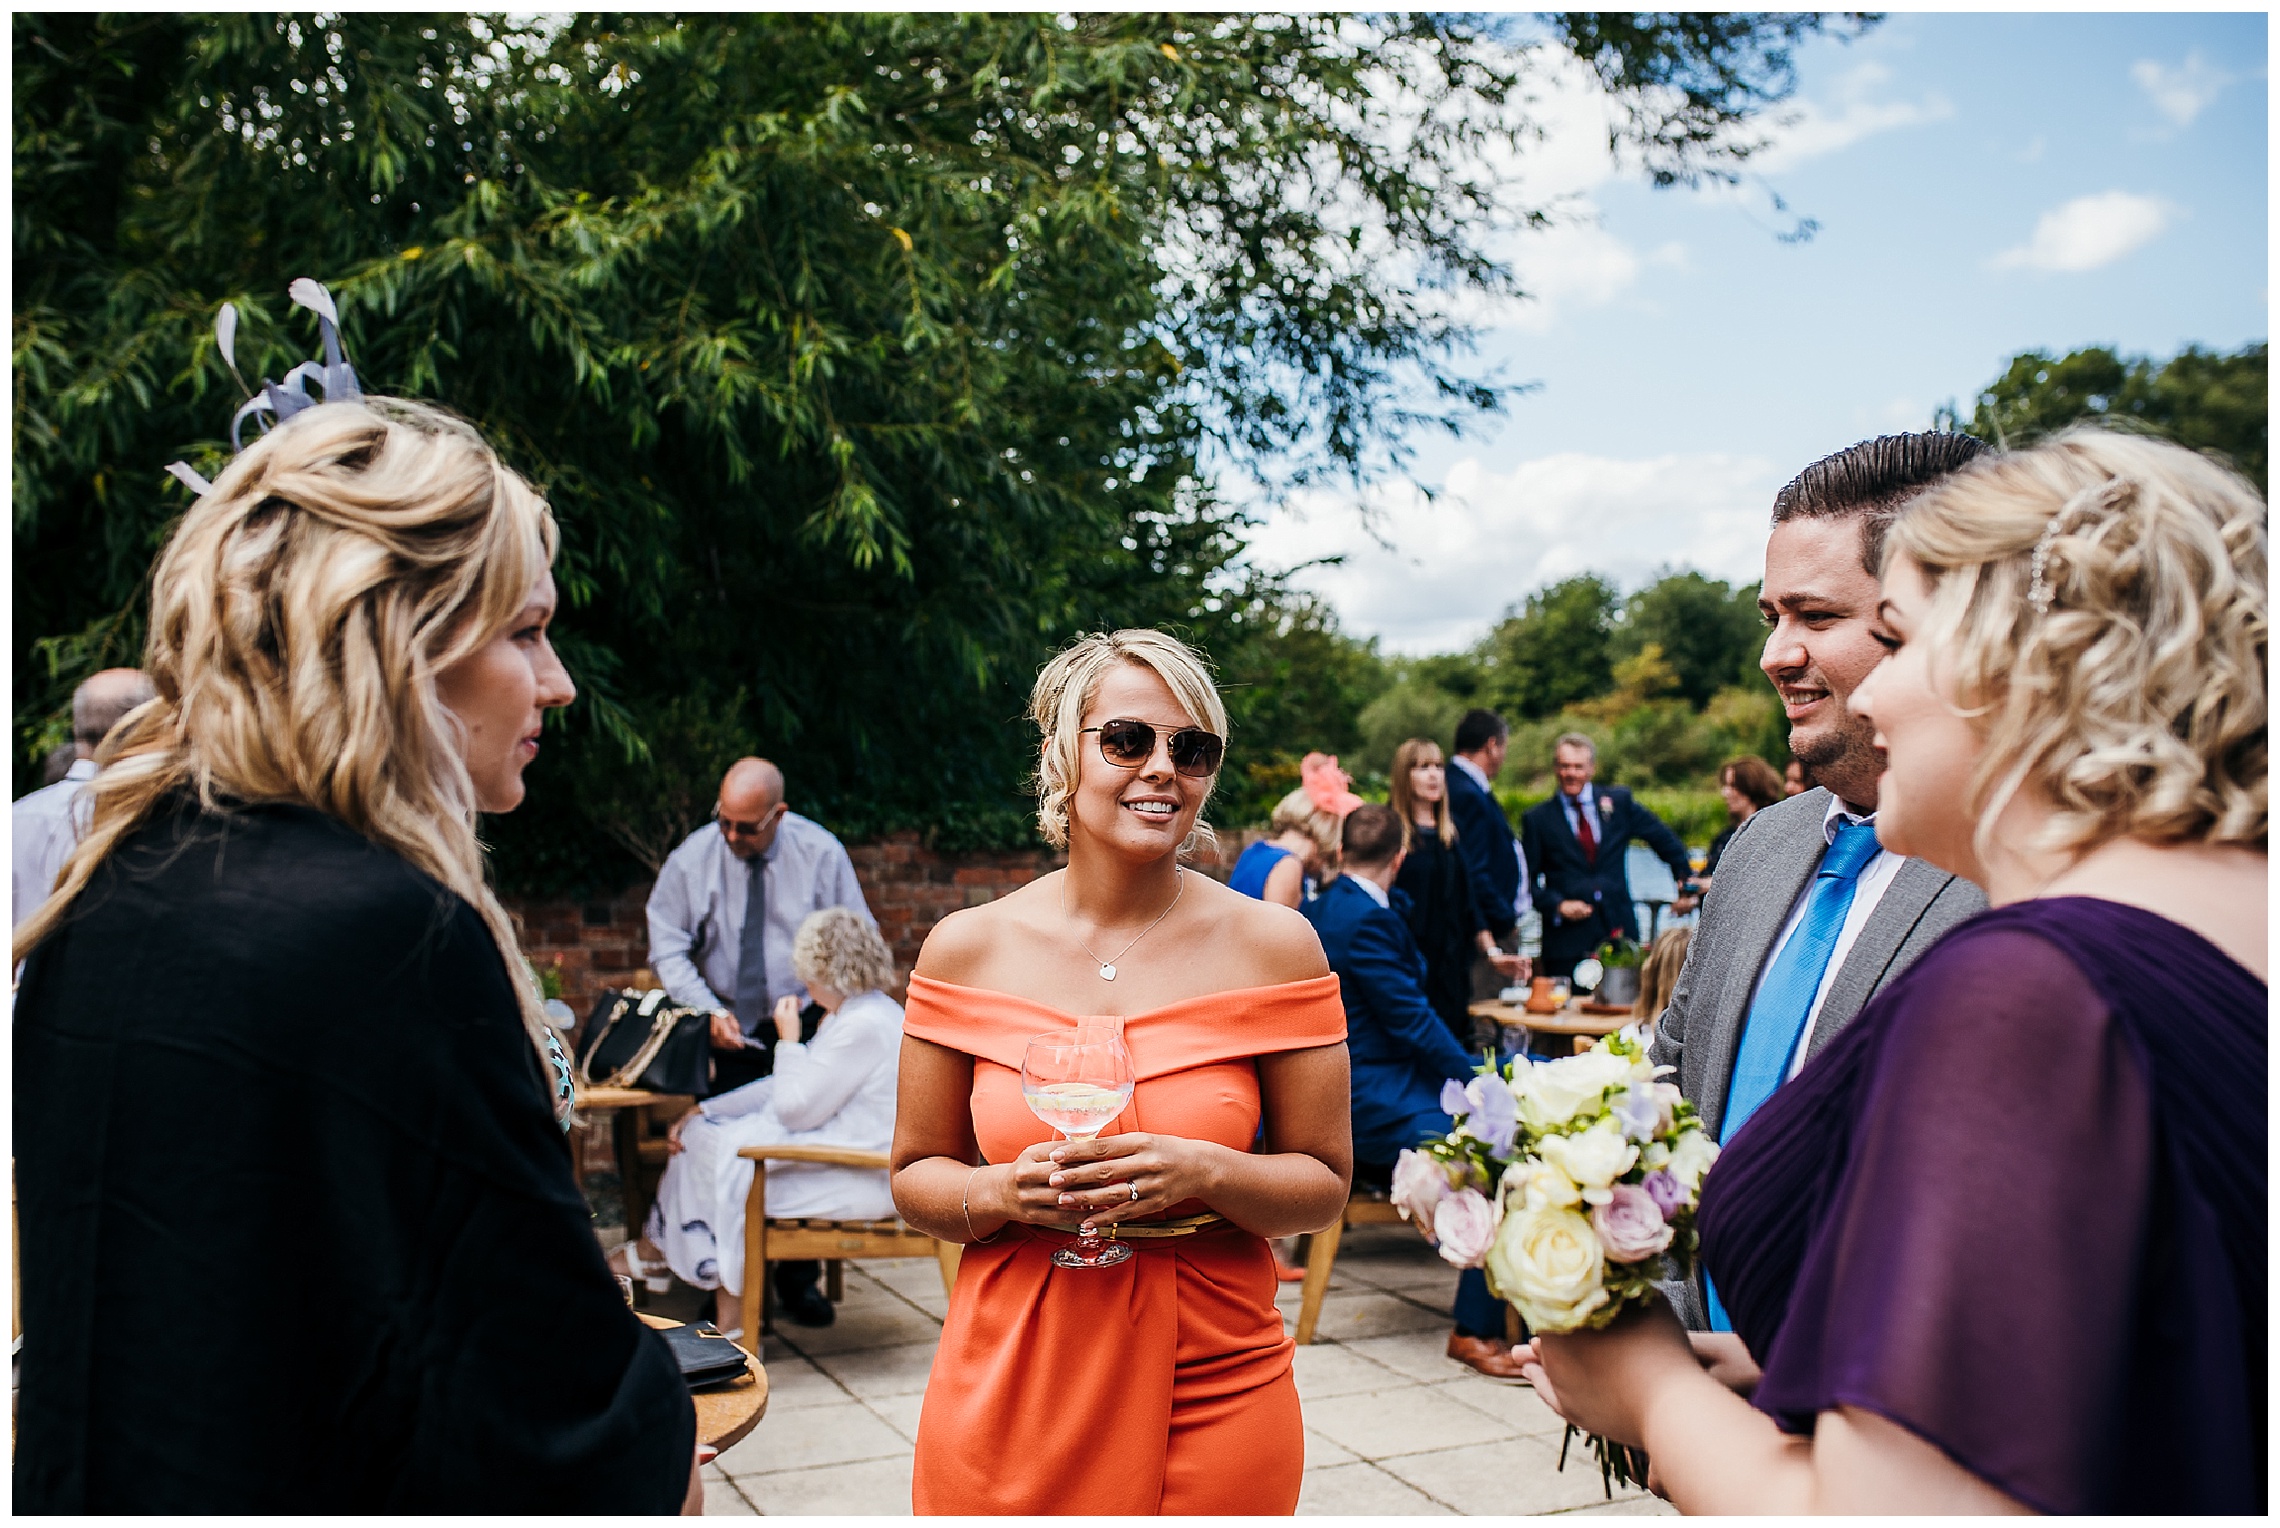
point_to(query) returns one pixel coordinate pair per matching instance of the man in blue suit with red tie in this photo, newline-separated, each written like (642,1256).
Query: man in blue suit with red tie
(1576,842)
(1401,1052)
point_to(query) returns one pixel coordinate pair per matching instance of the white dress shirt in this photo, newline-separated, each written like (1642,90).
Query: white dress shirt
(696,910)
(1875,879)
(45,825)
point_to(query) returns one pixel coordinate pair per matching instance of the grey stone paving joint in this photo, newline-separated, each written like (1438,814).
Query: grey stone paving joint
(1393,1426)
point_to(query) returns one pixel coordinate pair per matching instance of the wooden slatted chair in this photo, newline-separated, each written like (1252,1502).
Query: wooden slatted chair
(1364,1207)
(832,1241)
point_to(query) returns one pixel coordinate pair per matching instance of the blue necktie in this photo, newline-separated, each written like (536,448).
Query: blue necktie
(752,949)
(1777,1018)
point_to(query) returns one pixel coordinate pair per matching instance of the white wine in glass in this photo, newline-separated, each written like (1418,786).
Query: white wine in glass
(1078,1082)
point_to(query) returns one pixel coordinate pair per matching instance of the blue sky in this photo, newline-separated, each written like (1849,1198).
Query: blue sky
(1984,184)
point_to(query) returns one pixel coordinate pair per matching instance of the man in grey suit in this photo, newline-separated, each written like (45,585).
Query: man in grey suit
(1809,916)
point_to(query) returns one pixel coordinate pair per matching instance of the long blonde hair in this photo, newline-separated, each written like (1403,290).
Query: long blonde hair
(299,616)
(1402,796)
(2136,701)
(1067,684)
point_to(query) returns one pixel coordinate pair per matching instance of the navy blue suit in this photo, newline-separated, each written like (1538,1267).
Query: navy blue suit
(1400,1050)
(1484,838)
(1563,874)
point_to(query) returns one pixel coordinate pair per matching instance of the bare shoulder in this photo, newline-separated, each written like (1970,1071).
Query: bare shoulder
(1278,944)
(961,945)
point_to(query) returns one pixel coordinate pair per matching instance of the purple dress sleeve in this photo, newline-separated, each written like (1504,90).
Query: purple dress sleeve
(1980,1257)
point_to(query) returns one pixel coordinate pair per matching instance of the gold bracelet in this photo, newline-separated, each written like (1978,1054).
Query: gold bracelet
(966,1206)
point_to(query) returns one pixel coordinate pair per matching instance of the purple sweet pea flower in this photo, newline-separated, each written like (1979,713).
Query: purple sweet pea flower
(1664,1189)
(1453,1100)
(1495,1116)
(1638,1111)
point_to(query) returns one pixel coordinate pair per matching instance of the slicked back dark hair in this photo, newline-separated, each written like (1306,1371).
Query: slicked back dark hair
(1478,729)
(1370,835)
(1873,480)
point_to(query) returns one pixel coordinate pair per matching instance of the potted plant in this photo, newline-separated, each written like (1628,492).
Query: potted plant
(1619,961)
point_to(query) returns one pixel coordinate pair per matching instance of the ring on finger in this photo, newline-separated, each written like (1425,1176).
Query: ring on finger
(1135,1187)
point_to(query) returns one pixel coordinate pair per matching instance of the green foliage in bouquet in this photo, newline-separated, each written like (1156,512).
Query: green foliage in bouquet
(1620,954)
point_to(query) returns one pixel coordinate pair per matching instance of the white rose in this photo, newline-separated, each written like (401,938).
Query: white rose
(1538,1186)
(1690,1158)
(1549,1264)
(1594,1159)
(1555,1092)
(1653,1155)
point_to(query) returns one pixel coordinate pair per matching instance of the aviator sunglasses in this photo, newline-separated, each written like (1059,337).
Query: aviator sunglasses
(1129,744)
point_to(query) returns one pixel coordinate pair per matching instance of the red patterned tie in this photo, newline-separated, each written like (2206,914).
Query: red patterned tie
(1583,829)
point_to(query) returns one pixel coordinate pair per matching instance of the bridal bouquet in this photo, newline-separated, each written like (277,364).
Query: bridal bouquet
(1573,1182)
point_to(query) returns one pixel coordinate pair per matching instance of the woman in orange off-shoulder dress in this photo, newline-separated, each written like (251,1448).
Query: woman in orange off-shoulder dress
(1160,1384)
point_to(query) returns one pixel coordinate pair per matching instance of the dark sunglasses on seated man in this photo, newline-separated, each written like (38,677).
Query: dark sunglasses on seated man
(1130,744)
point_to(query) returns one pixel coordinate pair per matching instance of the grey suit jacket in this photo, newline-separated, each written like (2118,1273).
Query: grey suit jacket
(1766,865)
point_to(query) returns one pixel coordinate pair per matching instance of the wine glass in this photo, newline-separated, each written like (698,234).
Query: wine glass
(1077,1083)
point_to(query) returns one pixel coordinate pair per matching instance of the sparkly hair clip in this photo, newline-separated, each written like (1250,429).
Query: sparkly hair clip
(281,400)
(2111,494)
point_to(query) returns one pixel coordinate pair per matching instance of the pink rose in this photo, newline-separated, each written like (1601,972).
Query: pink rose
(1464,1224)
(1630,1224)
(1419,1185)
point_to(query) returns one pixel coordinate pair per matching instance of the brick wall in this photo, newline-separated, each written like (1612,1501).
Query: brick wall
(601,942)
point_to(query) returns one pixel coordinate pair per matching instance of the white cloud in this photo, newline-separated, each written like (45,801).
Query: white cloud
(2090,231)
(2183,92)
(1813,128)
(1493,537)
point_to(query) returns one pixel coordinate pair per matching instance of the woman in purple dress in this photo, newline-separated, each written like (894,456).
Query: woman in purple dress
(2001,1246)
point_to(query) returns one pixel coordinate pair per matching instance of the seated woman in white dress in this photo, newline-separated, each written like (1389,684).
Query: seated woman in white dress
(836,1090)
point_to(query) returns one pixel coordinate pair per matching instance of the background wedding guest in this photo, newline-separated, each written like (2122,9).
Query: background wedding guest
(44,825)
(1403,1053)
(1301,852)
(705,944)
(723,917)
(1793,781)
(1577,841)
(1442,914)
(1749,786)
(367,1282)
(1161,1383)
(1812,915)
(1658,973)
(2002,1247)
(60,758)
(1493,857)
(837,1090)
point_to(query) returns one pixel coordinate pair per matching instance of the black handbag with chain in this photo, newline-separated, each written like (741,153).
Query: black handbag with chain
(645,1040)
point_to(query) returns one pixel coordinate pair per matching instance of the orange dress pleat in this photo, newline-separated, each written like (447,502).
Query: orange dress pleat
(1159,1385)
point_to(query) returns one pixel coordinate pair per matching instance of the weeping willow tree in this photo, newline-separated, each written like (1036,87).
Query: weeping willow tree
(863,358)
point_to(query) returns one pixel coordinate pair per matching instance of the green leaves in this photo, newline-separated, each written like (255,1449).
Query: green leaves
(865,358)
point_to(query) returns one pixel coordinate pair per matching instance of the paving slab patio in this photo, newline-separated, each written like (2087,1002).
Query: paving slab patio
(1394,1427)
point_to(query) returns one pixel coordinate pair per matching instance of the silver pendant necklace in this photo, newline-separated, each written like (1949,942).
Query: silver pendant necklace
(1108,967)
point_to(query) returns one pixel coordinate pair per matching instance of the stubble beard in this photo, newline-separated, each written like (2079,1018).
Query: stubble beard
(1845,759)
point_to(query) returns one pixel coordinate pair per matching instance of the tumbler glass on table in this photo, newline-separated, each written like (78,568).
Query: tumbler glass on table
(1079,1082)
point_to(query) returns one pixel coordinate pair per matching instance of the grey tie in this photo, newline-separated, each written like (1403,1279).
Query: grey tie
(752,949)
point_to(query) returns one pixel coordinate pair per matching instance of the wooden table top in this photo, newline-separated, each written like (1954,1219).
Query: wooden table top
(726,1413)
(1571,1020)
(617,1098)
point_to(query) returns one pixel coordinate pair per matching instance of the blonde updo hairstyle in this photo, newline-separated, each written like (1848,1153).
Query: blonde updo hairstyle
(299,616)
(1067,686)
(840,949)
(2136,702)
(1297,813)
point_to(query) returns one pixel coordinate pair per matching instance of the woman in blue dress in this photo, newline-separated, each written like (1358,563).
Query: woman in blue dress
(1302,848)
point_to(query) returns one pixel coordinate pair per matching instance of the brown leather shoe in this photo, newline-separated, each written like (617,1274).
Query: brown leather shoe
(1490,1356)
